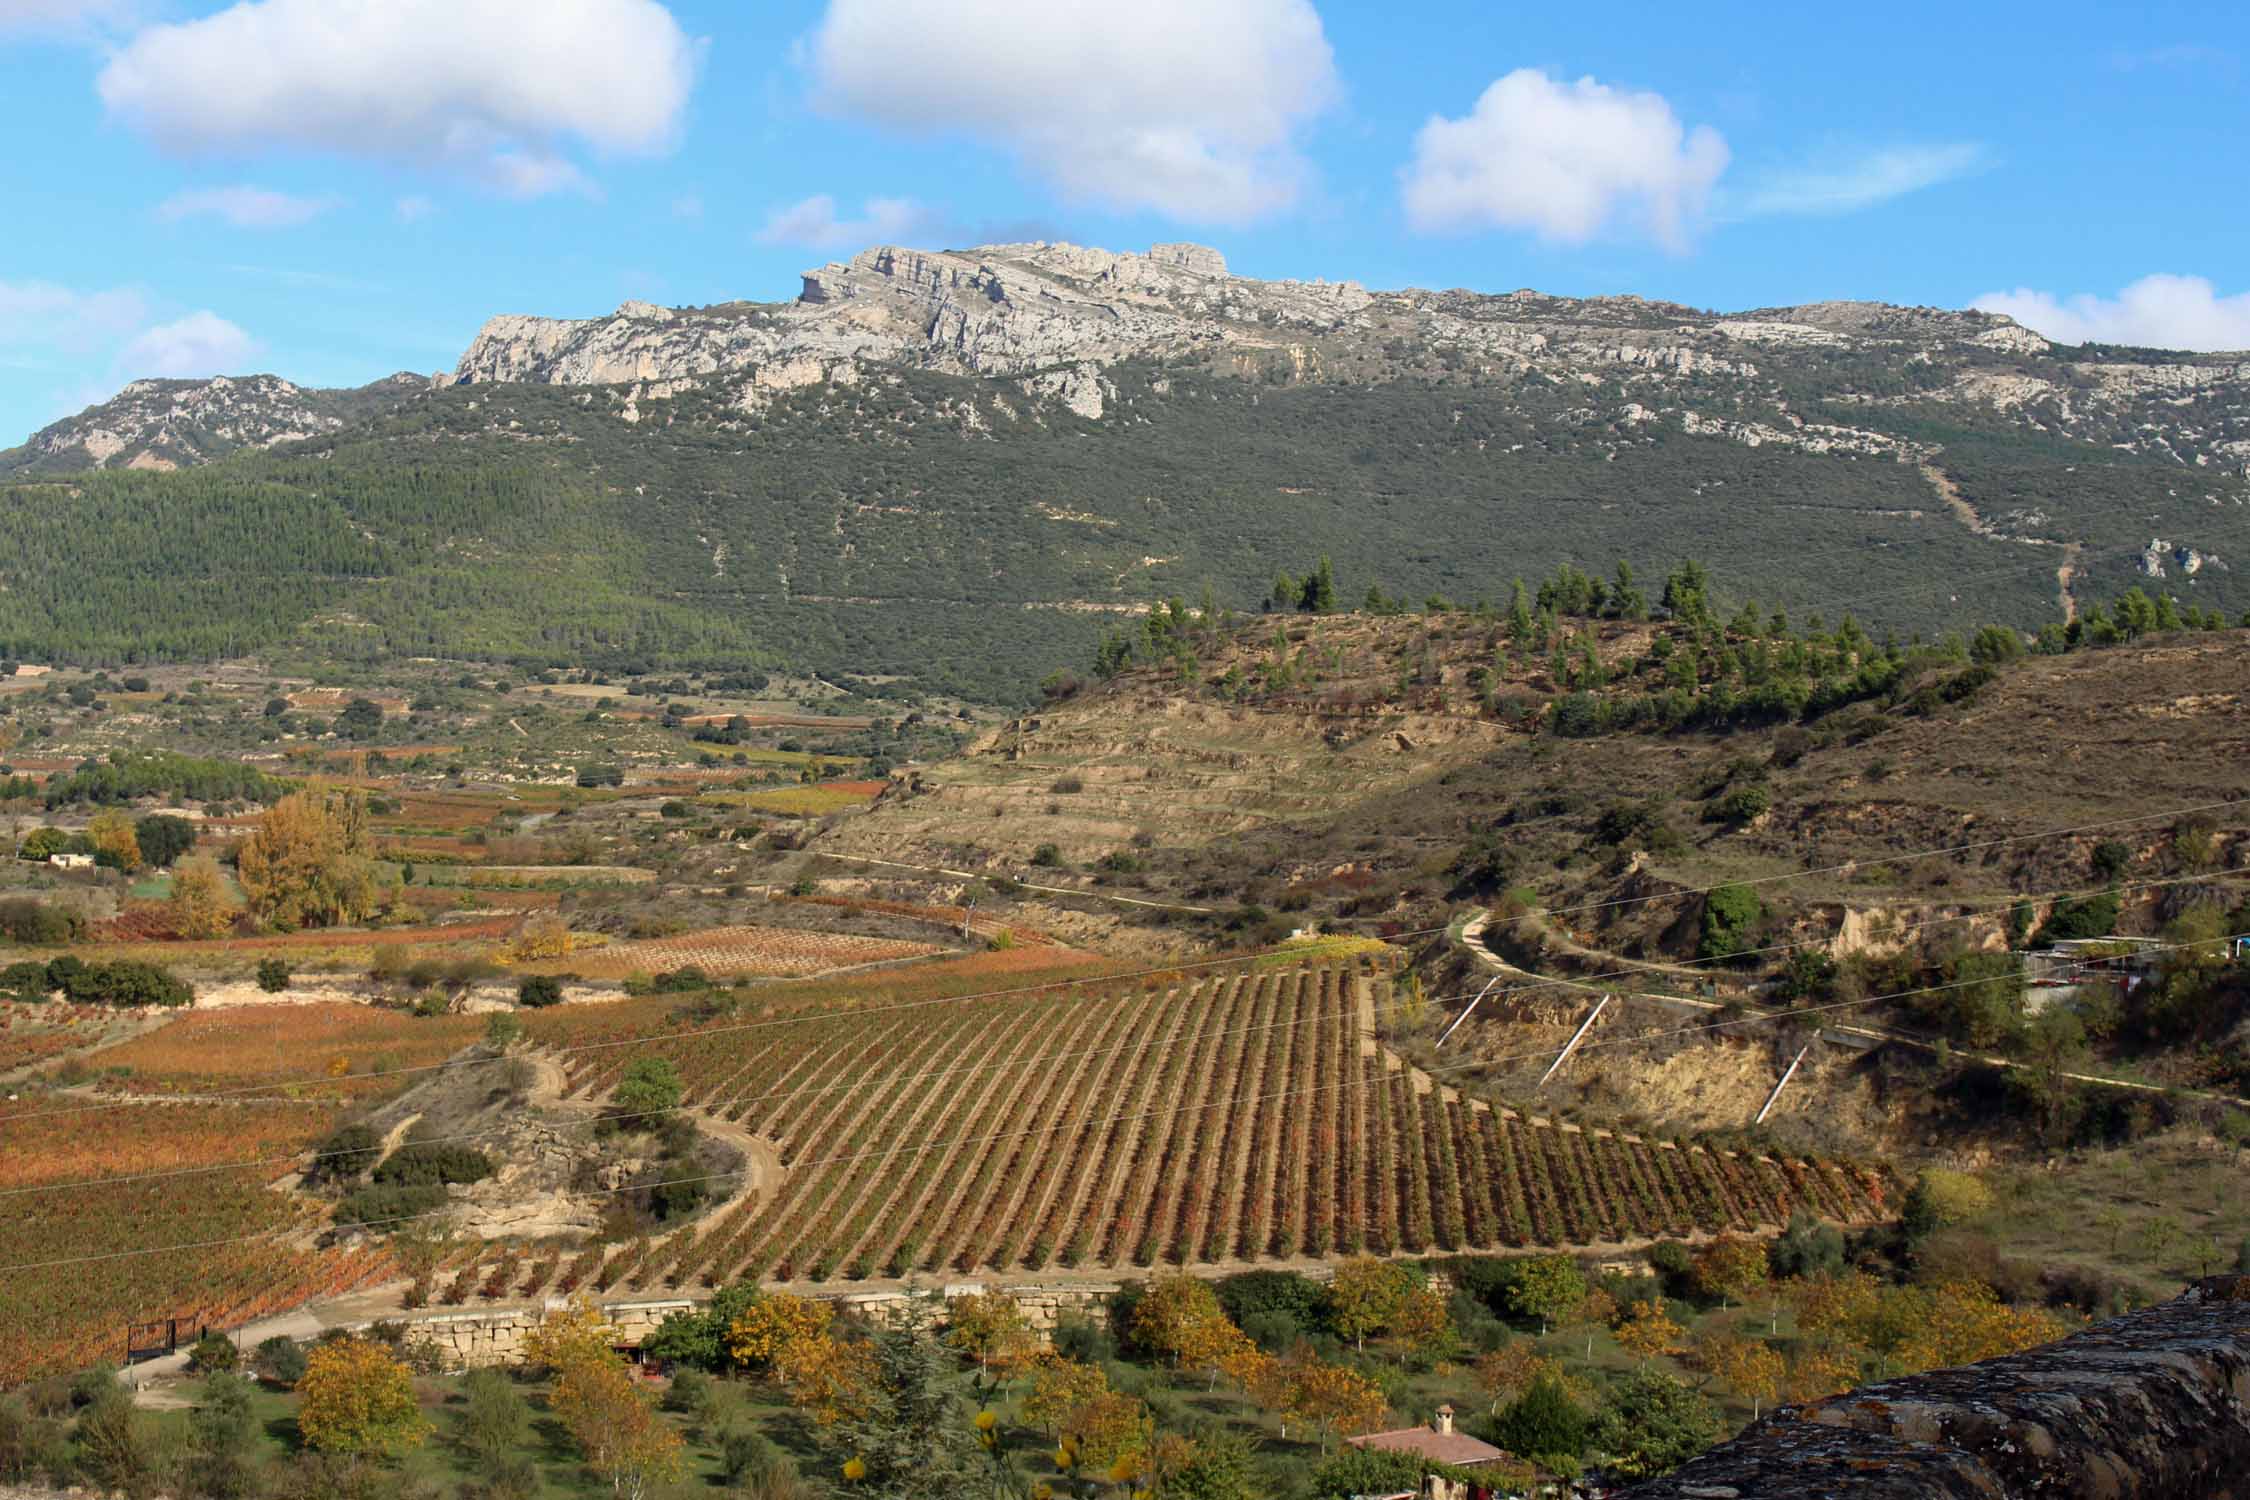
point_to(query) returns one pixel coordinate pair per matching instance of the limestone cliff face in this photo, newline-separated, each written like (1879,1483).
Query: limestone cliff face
(168,424)
(1052,321)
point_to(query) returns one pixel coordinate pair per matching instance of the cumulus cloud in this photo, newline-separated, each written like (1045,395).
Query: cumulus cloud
(2157,312)
(1564,160)
(202,343)
(495,86)
(1191,108)
(814,223)
(244,207)
(41,314)
(1860,181)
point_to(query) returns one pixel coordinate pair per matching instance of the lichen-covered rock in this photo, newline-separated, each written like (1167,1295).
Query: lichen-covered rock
(2152,1406)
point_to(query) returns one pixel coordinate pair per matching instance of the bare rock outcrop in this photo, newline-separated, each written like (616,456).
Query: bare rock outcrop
(2151,1406)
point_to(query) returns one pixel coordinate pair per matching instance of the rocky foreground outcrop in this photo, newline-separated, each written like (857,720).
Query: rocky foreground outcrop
(2152,1406)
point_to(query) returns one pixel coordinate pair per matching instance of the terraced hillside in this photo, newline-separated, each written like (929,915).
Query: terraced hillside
(1231,1118)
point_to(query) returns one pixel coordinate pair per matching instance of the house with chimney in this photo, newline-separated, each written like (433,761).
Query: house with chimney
(1439,1442)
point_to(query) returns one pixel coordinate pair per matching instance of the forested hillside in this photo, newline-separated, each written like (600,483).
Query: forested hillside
(946,529)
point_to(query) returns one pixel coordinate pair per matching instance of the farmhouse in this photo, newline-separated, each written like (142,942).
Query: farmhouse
(71,861)
(1440,1443)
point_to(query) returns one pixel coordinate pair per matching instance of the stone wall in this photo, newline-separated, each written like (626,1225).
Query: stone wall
(472,1339)
(2151,1406)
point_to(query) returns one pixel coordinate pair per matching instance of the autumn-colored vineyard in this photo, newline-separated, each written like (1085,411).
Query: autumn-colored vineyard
(739,950)
(67,1316)
(1239,1118)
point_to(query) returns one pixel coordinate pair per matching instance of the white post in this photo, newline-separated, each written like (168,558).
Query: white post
(1457,1020)
(1572,1045)
(1775,1097)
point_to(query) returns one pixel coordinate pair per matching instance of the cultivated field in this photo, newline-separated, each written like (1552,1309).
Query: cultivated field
(742,950)
(1228,1119)
(71,1291)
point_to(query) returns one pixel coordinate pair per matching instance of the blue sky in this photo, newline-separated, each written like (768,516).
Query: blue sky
(335,189)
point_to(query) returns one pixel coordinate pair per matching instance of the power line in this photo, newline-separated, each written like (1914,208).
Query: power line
(876,1010)
(1237,1099)
(1535,982)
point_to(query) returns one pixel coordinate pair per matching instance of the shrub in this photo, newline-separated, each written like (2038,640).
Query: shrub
(1741,805)
(1046,856)
(348,1151)
(650,1087)
(675,809)
(213,1352)
(384,1207)
(2092,917)
(1544,1423)
(433,1161)
(280,1359)
(538,991)
(273,975)
(26,981)
(1731,913)
(25,919)
(126,983)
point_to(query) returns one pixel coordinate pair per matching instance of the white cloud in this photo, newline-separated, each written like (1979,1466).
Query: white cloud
(2158,312)
(244,207)
(45,315)
(1187,107)
(1861,181)
(1566,160)
(413,208)
(494,86)
(687,206)
(813,223)
(202,343)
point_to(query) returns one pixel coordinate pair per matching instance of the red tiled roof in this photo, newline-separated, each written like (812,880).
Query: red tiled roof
(1445,1447)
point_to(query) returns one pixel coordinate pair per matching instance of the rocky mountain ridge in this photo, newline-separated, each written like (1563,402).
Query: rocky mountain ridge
(1052,321)
(172,424)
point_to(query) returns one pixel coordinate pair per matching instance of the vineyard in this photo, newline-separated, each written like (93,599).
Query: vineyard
(1235,1119)
(780,952)
(64,1317)
(232,1048)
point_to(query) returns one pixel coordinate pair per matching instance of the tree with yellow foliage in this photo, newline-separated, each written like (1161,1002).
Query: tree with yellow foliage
(1334,1401)
(1730,1267)
(115,843)
(1364,1298)
(1180,1316)
(1108,1437)
(355,1399)
(1751,1368)
(1647,1331)
(1817,1372)
(1059,1387)
(1423,1324)
(1962,1322)
(1508,1371)
(200,904)
(830,1379)
(308,864)
(766,1327)
(611,1419)
(991,1329)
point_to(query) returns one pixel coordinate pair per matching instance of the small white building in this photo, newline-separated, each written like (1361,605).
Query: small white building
(71,861)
